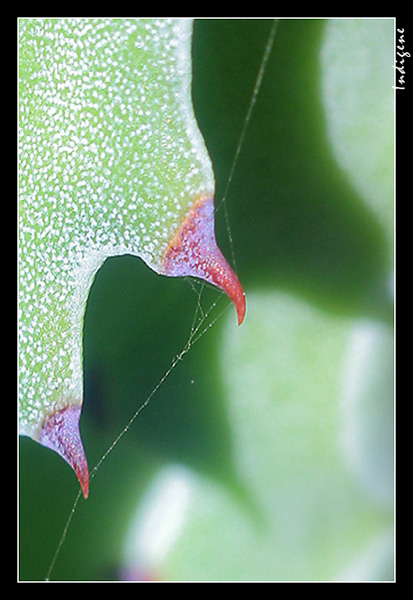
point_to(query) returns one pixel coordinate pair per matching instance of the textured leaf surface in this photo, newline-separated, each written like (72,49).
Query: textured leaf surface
(111,161)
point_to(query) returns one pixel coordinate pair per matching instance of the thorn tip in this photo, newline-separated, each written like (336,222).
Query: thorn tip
(194,251)
(60,432)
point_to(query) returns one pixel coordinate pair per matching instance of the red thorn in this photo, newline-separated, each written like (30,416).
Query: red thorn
(194,251)
(60,432)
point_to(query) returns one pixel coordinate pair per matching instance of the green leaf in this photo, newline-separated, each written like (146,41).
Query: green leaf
(357,89)
(111,162)
(311,504)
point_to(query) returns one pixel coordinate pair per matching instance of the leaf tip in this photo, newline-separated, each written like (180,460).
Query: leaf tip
(194,251)
(60,432)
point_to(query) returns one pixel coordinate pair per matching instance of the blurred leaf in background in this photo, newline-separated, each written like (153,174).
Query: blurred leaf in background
(267,454)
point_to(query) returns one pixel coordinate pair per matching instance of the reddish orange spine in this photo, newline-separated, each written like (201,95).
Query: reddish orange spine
(60,432)
(194,251)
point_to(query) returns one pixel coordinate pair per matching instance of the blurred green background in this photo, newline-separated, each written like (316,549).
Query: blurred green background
(267,454)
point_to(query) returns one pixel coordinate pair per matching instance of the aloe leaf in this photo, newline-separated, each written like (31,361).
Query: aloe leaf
(111,162)
(358,95)
(313,447)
